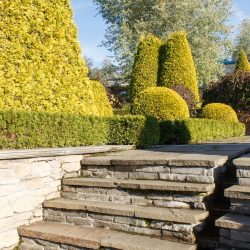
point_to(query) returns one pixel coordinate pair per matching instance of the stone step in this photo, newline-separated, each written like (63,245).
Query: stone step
(141,192)
(165,214)
(238,192)
(240,199)
(164,163)
(235,231)
(141,184)
(62,236)
(234,222)
(164,223)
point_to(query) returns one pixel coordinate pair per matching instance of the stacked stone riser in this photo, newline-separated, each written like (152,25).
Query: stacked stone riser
(201,174)
(153,228)
(35,244)
(235,227)
(156,198)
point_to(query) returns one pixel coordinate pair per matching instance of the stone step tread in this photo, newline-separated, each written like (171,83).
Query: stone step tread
(155,213)
(234,221)
(141,184)
(154,158)
(95,238)
(243,161)
(238,192)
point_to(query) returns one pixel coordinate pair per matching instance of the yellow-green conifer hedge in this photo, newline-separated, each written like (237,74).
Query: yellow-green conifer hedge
(41,68)
(146,64)
(177,65)
(242,63)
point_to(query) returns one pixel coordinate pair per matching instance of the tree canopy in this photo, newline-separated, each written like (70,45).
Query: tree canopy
(204,21)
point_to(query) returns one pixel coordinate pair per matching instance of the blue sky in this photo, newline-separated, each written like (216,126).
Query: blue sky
(91,26)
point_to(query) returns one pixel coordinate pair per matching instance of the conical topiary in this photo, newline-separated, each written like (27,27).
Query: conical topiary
(41,68)
(242,63)
(177,65)
(145,69)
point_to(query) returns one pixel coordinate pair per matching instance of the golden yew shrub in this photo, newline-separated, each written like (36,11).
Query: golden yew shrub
(40,64)
(242,63)
(146,64)
(177,64)
(161,103)
(219,111)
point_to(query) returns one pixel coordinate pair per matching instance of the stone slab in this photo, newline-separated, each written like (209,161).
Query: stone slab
(155,213)
(243,161)
(238,192)
(49,152)
(140,184)
(234,221)
(95,238)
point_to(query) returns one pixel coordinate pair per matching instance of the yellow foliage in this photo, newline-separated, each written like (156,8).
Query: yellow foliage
(177,64)
(145,69)
(219,111)
(41,68)
(242,63)
(161,103)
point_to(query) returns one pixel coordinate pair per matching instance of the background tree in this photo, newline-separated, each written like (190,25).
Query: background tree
(243,39)
(204,21)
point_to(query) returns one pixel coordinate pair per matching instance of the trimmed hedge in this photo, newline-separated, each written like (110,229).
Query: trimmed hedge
(145,69)
(136,130)
(198,130)
(242,63)
(23,130)
(41,64)
(161,103)
(177,64)
(219,111)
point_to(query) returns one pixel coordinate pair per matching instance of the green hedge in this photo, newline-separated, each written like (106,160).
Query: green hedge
(137,130)
(198,130)
(23,130)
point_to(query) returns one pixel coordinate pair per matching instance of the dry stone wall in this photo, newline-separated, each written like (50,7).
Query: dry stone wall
(24,185)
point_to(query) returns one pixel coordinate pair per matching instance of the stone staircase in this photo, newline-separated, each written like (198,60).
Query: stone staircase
(137,199)
(235,226)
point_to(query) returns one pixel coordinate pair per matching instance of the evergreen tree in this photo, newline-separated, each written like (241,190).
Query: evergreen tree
(40,64)
(242,63)
(145,69)
(177,65)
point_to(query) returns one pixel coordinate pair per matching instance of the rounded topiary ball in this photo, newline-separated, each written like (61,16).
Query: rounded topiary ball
(219,111)
(161,103)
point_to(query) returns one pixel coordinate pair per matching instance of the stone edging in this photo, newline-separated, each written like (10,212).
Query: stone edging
(51,152)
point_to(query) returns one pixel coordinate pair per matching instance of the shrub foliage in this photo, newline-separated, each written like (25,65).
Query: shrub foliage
(22,130)
(177,65)
(219,111)
(145,69)
(41,67)
(198,130)
(242,63)
(161,103)
(233,89)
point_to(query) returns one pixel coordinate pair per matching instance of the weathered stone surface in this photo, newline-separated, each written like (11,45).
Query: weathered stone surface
(94,238)
(234,221)
(5,207)
(238,192)
(69,167)
(138,184)
(164,214)
(244,181)
(243,161)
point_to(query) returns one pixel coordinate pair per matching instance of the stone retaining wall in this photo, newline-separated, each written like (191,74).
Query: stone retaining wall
(26,183)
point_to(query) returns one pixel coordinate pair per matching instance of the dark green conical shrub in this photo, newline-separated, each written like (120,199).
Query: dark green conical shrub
(177,65)
(145,69)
